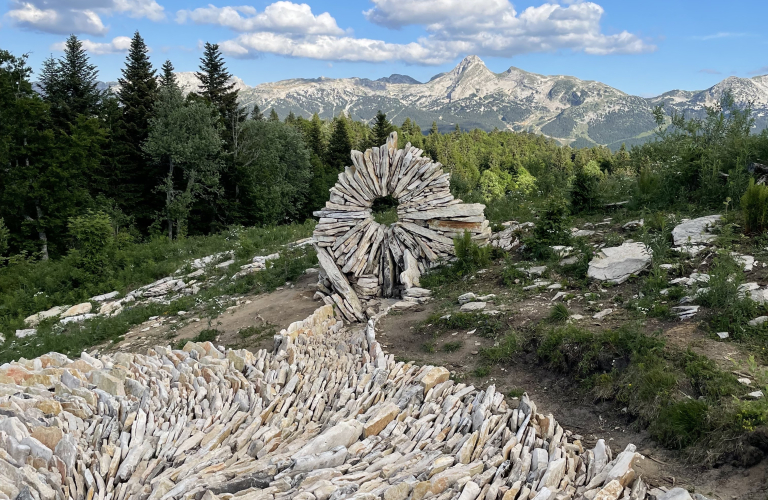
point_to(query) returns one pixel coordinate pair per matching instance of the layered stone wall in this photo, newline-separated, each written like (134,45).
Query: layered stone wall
(361,258)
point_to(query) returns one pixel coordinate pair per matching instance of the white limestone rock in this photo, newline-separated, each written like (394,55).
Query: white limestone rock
(617,264)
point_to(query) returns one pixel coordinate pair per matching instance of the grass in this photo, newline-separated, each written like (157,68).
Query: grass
(683,398)
(28,287)
(482,371)
(73,338)
(453,346)
(503,352)
(559,313)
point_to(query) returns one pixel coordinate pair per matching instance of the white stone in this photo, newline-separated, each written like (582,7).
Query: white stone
(104,297)
(758,321)
(696,231)
(675,494)
(617,264)
(473,306)
(723,335)
(28,332)
(77,310)
(467,297)
(602,314)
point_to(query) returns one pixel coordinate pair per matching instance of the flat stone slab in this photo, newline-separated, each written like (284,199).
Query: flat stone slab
(695,231)
(617,264)
(473,306)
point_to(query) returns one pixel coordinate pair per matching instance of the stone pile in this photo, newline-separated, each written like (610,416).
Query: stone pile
(326,415)
(363,259)
(164,290)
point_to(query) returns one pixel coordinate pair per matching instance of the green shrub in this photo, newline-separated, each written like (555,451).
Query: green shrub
(469,255)
(585,191)
(4,235)
(680,424)
(453,346)
(92,236)
(504,352)
(731,311)
(551,229)
(755,206)
(559,313)
(482,371)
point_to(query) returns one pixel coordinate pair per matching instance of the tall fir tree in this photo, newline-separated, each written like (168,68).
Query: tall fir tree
(215,86)
(70,84)
(273,116)
(256,113)
(381,129)
(217,90)
(168,78)
(339,145)
(137,95)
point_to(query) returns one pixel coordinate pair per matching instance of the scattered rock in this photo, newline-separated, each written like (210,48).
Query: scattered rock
(602,314)
(77,310)
(105,297)
(695,231)
(633,224)
(467,297)
(28,332)
(473,306)
(758,321)
(723,335)
(617,264)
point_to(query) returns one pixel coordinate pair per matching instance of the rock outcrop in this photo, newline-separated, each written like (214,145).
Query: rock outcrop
(325,415)
(363,259)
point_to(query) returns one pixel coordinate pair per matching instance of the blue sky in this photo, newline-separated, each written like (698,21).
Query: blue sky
(643,48)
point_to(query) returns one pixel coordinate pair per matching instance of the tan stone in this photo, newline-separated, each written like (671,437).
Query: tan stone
(381,419)
(108,383)
(77,310)
(437,375)
(610,491)
(398,491)
(49,436)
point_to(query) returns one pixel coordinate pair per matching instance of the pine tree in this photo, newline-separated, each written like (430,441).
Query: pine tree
(339,145)
(291,118)
(314,136)
(70,84)
(256,113)
(273,116)
(381,129)
(168,78)
(137,95)
(215,86)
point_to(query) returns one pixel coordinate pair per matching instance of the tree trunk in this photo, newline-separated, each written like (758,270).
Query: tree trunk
(41,232)
(168,191)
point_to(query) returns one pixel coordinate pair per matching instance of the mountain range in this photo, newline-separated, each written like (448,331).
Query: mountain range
(573,111)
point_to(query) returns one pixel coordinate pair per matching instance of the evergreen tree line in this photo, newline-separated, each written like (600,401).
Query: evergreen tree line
(154,160)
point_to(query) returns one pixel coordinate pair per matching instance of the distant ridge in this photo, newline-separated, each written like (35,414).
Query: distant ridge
(573,111)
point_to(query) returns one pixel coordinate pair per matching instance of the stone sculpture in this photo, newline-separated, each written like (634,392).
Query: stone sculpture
(361,258)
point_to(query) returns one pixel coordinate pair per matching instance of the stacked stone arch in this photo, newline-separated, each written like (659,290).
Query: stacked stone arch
(362,259)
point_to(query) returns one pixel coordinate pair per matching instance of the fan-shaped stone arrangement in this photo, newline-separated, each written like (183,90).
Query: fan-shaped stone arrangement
(362,258)
(326,415)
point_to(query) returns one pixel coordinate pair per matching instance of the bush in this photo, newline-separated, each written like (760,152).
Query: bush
(551,229)
(755,206)
(559,313)
(470,256)
(680,424)
(92,236)
(585,192)
(731,310)
(4,234)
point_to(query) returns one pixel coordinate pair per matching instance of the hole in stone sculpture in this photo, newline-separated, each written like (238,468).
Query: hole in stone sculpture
(385,210)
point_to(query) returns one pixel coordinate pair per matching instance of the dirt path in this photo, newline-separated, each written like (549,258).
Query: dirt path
(557,394)
(260,316)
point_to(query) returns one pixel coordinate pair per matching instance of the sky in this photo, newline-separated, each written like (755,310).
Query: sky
(640,47)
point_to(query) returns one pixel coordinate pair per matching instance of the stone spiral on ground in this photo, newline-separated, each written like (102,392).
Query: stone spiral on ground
(364,259)
(326,415)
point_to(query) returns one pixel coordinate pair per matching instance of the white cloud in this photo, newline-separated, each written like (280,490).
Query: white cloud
(493,27)
(77,16)
(452,29)
(117,45)
(279,17)
(329,48)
